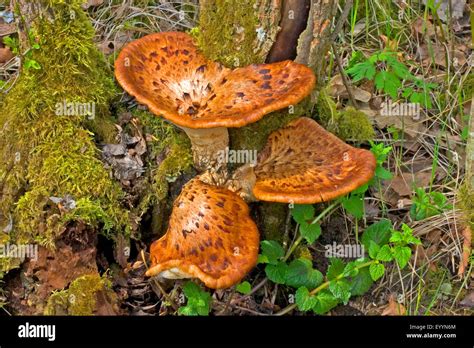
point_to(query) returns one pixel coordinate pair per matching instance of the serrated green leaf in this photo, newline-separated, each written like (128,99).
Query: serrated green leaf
(373,249)
(335,268)
(310,232)
(388,82)
(300,273)
(360,71)
(304,300)
(324,302)
(402,255)
(396,237)
(341,290)
(301,213)
(361,283)
(354,204)
(277,273)
(198,300)
(272,250)
(384,254)
(378,232)
(376,271)
(350,270)
(244,288)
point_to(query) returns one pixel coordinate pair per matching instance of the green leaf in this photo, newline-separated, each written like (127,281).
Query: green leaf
(360,71)
(341,289)
(301,213)
(300,273)
(350,270)
(376,271)
(304,300)
(402,255)
(198,300)
(324,302)
(378,232)
(335,269)
(310,232)
(244,288)
(388,82)
(396,237)
(361,283)
(383,173)
(277,273)
(385,254)
(354,204)
(272,251)
(373,249)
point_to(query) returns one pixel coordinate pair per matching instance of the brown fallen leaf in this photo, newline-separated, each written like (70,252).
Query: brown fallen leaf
(466,250)
(468,300)
(393,307)
(404,183)
(337,89)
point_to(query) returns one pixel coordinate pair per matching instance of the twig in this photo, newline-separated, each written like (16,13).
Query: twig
(343,76)
(342,19)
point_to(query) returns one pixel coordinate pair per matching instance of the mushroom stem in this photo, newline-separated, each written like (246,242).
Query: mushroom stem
(242,182)
(209,146)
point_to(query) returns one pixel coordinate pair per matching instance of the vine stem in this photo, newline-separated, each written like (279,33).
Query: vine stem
(300,237)
(322,287)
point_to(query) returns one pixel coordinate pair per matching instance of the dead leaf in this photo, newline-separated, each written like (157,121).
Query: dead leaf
(466,250)
(468,300)
(337,89)
(393,307)
(404,183)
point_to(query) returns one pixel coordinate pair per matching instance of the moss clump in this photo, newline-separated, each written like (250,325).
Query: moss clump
(347,124)
(81,296)
(228,31)
(44,153)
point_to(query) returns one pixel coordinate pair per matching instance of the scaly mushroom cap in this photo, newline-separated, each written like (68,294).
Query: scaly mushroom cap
(166,72)
(304,164)
(210,236)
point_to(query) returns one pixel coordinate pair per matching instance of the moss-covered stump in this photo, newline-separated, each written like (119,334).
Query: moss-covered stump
(48,150)
(87,295)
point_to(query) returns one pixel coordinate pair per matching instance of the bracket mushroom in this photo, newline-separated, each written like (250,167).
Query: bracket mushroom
(210,236)
(303,163)
(166,72)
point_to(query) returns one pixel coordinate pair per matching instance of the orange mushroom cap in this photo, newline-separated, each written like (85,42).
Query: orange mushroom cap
(166,72)
(304,164)
(210,236)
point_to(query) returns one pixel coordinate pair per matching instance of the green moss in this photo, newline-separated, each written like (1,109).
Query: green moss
(273,218)
(255,135)
(228,31)
(43,154)
(466,200)
(347,124)
(302,251)
(80,297)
